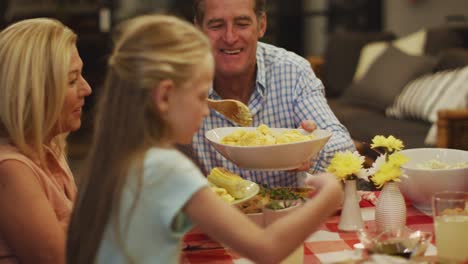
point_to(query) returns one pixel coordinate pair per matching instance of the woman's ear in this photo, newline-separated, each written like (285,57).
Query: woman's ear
(161,95)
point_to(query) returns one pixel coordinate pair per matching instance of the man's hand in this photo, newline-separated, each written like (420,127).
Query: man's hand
(309,126)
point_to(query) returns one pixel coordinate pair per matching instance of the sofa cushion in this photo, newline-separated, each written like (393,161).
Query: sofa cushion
(369,53)
(364,123)
(341,57)
(425,96)
(386,77)
(451,59)
(413,43)
(443,38)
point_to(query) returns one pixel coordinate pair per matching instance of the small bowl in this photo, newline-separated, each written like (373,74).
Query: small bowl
(420,183)
(403,242)
(269,157)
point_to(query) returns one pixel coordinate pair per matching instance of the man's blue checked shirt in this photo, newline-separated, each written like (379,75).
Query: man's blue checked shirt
(286,93)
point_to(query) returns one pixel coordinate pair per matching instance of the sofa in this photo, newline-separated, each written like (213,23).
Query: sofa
(413,87)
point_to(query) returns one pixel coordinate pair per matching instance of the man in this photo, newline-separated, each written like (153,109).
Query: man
(278,86)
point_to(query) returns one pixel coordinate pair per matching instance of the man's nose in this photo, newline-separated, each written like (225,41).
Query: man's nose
(230,35)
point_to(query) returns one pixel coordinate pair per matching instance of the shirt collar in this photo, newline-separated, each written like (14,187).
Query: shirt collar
(260,84)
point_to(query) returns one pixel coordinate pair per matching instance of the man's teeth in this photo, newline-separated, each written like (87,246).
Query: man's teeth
(231,51)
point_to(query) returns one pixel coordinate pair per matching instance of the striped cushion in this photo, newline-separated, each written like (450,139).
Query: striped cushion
(423,97)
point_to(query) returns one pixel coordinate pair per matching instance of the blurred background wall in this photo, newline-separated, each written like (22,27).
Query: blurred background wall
(298,25)
(301,26)
(404,17)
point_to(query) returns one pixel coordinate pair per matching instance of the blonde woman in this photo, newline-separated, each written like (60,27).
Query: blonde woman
(42,92)
(140,194)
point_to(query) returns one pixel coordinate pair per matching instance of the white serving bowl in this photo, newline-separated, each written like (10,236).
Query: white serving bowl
(421,183)
(271,157)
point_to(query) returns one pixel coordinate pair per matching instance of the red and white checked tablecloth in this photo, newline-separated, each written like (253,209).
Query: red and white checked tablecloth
(326,245)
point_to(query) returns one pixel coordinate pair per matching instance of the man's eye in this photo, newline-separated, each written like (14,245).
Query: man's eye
(216,26)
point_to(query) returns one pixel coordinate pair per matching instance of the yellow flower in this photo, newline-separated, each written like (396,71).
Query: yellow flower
(390,144)
(398,159)
(346,164)
(389,171)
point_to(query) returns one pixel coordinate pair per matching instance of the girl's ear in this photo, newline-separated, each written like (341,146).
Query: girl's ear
(161,95)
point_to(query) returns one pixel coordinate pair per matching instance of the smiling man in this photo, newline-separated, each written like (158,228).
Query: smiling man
(278,86)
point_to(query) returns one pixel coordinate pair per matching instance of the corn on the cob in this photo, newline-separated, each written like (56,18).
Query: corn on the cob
(221,192)
(233,183)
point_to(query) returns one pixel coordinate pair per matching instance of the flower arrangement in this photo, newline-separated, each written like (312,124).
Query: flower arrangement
(387,167)
(349,165)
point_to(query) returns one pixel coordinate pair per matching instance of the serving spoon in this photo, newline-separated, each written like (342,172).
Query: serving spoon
(234,110)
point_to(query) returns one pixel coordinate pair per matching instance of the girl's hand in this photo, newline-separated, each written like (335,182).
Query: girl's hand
(322,180)
(326,183)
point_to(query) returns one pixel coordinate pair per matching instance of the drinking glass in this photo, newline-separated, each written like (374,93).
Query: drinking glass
(450,211)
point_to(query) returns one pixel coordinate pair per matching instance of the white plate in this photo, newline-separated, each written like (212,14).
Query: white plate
(270,157)
(251,191)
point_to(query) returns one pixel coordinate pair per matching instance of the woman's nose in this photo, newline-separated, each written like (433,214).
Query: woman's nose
(85,89)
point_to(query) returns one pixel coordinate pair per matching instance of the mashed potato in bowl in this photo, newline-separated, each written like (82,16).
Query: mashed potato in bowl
(437,164)
(263,136)
(250,152)
(425,176)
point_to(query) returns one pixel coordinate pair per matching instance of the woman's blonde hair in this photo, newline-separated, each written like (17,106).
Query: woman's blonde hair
(150,49)
(35,56)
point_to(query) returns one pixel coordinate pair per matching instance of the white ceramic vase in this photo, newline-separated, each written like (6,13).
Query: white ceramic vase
(390,211)
(351,218)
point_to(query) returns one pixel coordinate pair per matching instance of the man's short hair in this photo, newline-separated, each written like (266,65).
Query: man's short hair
(199,9)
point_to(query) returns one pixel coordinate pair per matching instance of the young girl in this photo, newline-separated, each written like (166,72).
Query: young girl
(141,195)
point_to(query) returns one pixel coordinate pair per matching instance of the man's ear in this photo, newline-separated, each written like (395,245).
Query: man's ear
(161,95)
(262,25)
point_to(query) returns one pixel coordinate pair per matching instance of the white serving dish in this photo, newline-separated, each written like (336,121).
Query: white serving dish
(271,157)
(419,184)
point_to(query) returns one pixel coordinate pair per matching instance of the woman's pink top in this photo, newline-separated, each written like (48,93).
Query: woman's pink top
(59,188)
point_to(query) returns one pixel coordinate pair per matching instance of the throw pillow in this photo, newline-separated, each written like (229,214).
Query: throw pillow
(452,58)
(425,96)
(386,77)
(342,55)
(412,44)
(445,37)
(369,53)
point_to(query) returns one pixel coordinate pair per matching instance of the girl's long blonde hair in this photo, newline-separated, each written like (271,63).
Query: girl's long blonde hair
(35,57)
(150,49)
